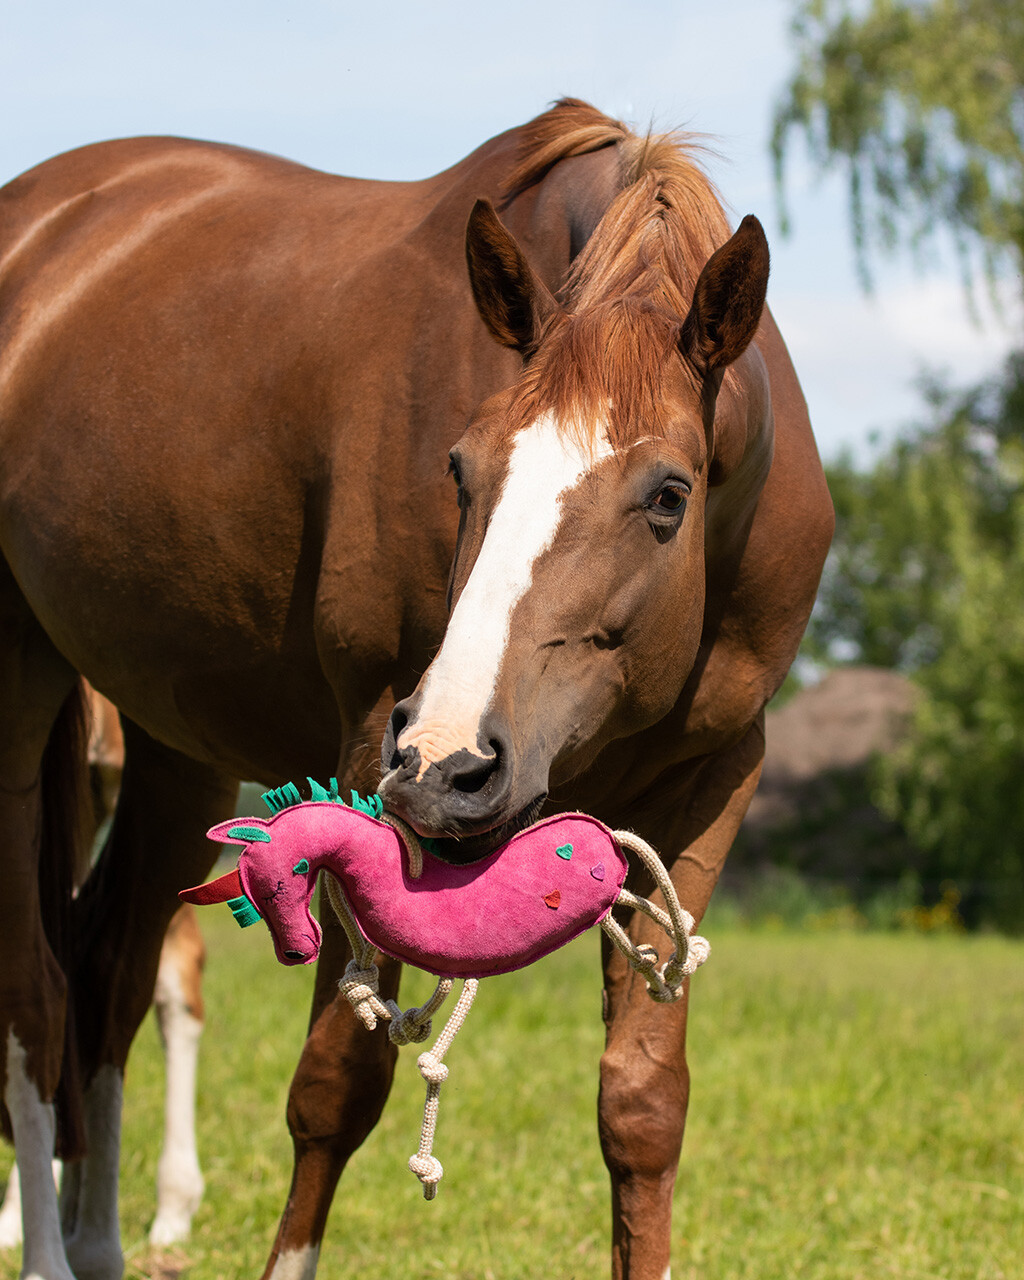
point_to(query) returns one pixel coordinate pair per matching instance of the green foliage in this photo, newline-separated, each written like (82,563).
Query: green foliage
(921,103)
(779,898)
(942,497)
(856,1111)
(927,576)
(956,781)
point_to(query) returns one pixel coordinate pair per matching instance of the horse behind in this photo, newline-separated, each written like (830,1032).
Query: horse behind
(178,1005)
(230,388)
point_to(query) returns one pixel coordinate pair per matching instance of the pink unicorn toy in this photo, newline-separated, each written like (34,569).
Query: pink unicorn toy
(541,889)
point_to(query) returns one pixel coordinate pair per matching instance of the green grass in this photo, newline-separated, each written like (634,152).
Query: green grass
(857,1110)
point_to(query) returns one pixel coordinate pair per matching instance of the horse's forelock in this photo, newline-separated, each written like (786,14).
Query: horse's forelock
(603,370)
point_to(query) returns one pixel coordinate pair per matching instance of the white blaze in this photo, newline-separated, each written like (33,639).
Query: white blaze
(545,463)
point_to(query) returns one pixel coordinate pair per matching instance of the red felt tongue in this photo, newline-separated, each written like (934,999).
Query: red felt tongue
(220,890)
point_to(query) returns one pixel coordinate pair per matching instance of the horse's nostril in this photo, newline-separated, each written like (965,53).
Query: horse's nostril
(394,758)
(474,772)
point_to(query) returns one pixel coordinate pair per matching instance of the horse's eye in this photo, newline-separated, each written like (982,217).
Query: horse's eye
(456,474)
(670,497)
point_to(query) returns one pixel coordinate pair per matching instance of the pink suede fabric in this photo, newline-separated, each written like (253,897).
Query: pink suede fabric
(507,910)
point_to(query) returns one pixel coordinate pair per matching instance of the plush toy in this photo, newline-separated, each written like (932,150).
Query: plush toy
(535,893)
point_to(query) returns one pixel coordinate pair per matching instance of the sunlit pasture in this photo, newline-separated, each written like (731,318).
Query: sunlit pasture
(857,1111)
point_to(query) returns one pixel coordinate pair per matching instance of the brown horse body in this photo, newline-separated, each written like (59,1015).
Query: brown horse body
(228,391)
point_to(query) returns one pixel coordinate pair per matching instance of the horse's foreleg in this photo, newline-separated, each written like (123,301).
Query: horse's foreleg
(642,1109)
(337,1095)
(178,1002)
(155,845)
(645,1080)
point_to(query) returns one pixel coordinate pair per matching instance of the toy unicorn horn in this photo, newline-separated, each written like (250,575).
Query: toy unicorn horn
(535,893)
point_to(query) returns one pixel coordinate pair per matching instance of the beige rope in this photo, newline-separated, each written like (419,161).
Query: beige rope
(410,840)
(424,1164)
(360,985)
(664,985)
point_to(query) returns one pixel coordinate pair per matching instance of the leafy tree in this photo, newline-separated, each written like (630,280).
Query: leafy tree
(894,561)
(921,102)
(927,576)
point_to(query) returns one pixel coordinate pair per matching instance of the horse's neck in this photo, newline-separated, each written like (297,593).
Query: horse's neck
(556,217)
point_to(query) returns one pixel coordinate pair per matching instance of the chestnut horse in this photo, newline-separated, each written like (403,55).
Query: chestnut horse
(229,390)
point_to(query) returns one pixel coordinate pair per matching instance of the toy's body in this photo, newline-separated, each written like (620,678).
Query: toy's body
(534,894)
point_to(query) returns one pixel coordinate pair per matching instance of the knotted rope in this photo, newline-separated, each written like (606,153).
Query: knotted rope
(360,983)
(665,985)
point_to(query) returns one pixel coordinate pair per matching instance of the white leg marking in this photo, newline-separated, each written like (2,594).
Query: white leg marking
(296,1264)
(544,464)
(34,1128)
(179,1180)
(10,1212)
(94,1247)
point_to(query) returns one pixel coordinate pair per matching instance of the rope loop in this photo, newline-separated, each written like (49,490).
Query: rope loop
(409,838)
(405,1027)
(665,985)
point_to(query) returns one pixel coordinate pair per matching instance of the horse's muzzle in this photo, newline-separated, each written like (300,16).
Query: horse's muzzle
(464,800)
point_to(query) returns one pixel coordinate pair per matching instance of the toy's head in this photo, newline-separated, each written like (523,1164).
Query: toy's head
(273,881)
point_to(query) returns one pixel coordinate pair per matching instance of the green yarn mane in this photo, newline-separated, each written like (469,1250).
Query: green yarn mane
(287,796)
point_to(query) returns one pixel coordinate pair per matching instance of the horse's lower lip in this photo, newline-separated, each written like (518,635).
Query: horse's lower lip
(472,848)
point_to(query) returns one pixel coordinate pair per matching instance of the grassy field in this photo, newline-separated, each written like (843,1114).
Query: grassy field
(857,1112)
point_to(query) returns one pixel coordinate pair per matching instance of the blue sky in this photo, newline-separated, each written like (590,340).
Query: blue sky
(404,89)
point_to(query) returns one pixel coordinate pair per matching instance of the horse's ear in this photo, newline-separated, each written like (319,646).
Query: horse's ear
(513,301)
(728,300)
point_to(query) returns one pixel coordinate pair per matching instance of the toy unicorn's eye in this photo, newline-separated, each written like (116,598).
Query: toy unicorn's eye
(300,868)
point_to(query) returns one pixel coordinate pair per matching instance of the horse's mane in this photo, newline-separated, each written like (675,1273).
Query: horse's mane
(631,286)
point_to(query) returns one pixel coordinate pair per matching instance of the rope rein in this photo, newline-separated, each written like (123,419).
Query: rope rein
(360,983)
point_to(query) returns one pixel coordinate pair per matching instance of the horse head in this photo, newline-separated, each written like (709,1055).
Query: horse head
(577,591)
